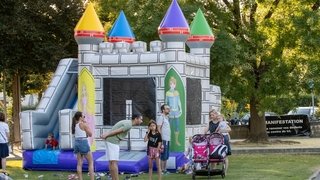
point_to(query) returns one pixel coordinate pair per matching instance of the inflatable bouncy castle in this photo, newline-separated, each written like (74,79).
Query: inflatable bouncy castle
(114,76)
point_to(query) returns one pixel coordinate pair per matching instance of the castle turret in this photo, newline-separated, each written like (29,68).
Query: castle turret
(121,30)
(89,29)
(201,38)
(200,42)
(174,26)
(174,32)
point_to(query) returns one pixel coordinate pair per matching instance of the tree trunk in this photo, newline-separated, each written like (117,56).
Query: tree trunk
(257,123)
(39,96)
(16,108)
(5,95)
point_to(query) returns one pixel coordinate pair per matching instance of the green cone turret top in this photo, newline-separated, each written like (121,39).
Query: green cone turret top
(201,33)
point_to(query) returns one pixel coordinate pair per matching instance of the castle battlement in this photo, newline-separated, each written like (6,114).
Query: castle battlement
(123,53)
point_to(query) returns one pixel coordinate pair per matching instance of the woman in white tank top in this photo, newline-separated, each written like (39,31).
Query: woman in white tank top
(81,131)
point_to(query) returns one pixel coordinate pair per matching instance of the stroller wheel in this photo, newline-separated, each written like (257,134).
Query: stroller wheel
(223,167)
(223,175)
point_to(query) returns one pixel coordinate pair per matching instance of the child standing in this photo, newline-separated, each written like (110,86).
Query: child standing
(51,143)
(154,147)
(224,129)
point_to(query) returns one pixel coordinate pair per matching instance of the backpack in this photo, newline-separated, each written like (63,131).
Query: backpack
(219,152)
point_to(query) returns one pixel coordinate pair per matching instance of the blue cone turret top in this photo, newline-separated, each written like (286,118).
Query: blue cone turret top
(121,30)
(174,26)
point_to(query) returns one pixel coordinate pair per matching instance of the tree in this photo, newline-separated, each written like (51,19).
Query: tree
(35,36)
(262,52)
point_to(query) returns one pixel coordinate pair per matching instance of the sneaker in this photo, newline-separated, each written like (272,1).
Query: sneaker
(165,172)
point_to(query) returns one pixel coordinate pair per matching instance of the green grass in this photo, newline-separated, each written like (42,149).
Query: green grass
(268,166)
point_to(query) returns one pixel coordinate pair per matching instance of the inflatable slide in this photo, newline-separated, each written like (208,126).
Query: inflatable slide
(60,94)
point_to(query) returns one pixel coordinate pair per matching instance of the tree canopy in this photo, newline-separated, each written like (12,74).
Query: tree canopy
(264,50)
(35,35)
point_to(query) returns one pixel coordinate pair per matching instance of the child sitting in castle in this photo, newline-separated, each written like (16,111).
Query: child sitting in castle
(51,143)
(187,167)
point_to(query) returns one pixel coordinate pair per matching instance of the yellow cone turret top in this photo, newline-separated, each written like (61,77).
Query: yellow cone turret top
(89,29)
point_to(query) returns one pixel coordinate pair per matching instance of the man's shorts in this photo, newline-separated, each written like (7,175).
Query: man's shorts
(165,154)
(4,150)
(112,151)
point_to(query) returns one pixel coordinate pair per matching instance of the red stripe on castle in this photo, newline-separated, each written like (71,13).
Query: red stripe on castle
(83,33)
(121,39)
(174,31)
(201,38)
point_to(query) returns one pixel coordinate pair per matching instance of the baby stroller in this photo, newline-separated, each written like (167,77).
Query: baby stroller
(217,152)
(200,148)
(207,149)
(200,155)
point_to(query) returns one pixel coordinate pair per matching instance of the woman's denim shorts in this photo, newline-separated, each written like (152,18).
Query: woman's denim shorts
(81,146)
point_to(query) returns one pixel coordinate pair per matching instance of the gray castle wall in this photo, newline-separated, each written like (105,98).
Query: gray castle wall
(124,60)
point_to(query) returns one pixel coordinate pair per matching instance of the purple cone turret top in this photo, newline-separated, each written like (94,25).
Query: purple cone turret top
(174,26)
(121,30)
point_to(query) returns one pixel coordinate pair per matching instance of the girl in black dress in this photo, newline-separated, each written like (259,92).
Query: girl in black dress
(154,147)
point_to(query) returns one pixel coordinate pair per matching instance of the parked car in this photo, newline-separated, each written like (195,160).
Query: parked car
(245,119)
(309,111)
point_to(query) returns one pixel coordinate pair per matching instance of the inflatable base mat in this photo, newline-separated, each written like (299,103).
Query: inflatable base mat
(65,160)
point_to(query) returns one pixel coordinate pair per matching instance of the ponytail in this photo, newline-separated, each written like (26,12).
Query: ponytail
(75,120)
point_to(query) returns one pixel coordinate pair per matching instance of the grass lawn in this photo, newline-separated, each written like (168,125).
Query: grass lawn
(269,166)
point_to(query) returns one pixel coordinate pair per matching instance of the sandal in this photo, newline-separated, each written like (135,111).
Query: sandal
(5,173)
(72,176)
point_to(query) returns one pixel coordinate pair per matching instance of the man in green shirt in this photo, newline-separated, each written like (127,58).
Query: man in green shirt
(118,132)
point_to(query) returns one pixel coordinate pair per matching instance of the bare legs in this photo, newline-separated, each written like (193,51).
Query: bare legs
(164,165)
(150,161)
(3,164)
(113,166)
(159,167)
(227,164)
(80,163)
(90,163)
